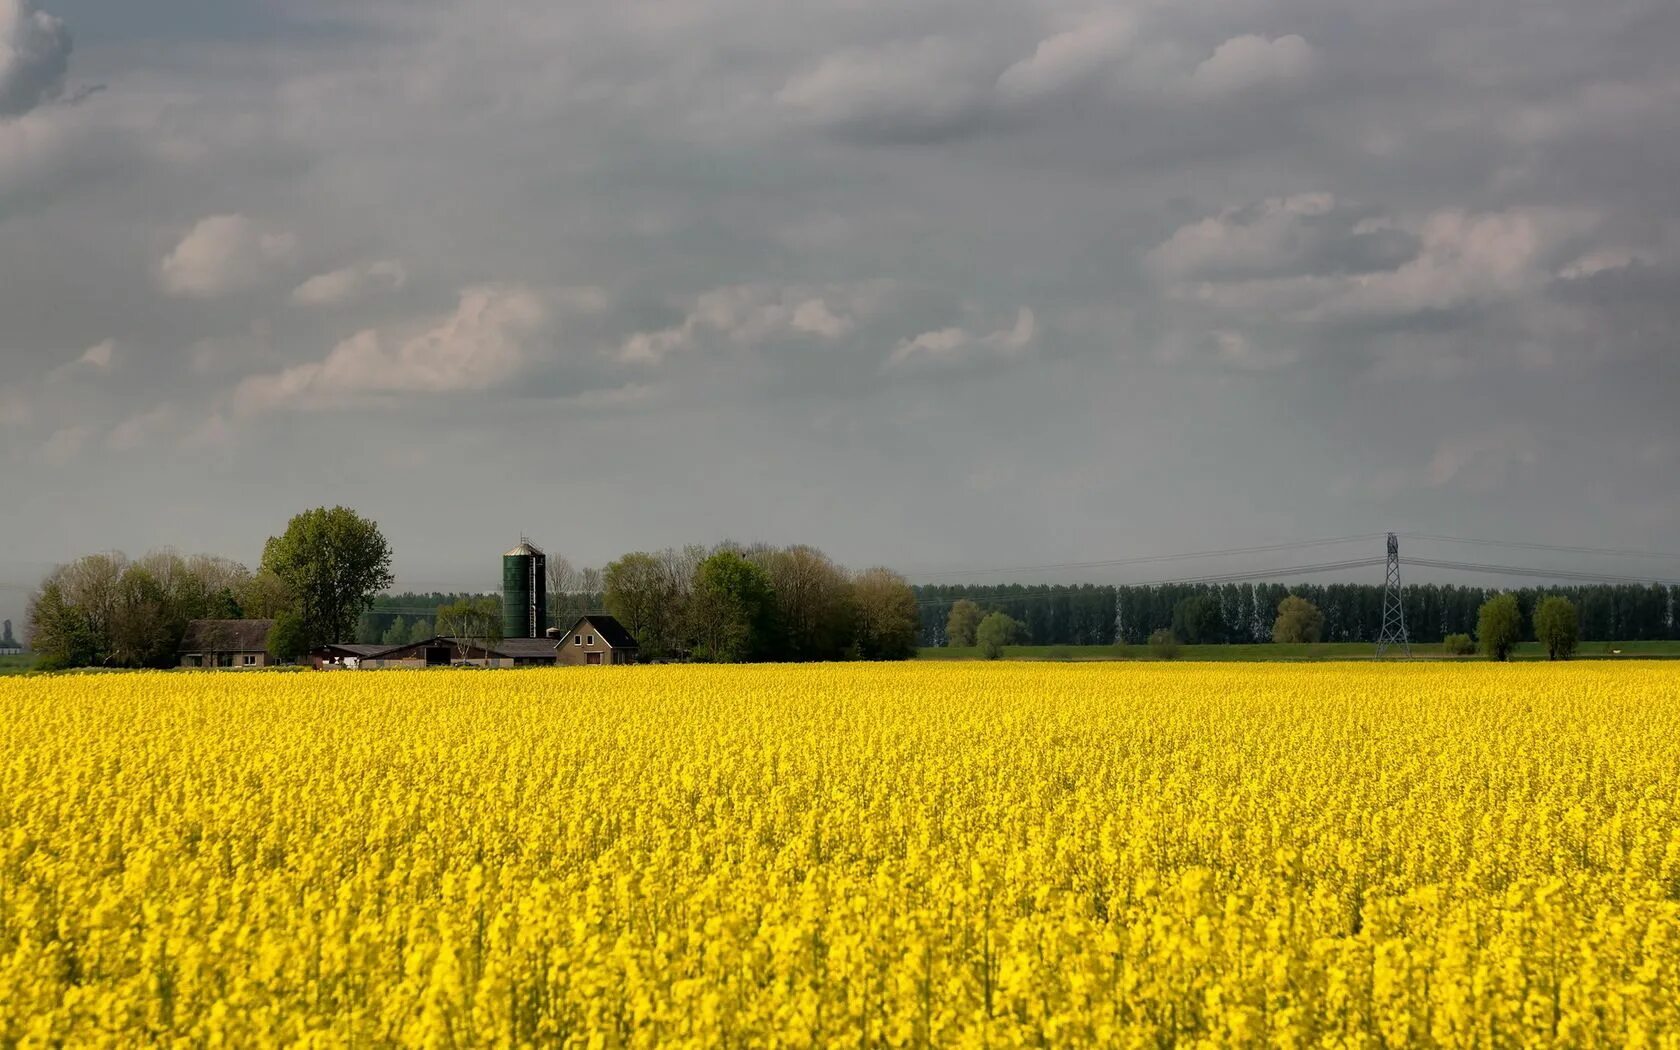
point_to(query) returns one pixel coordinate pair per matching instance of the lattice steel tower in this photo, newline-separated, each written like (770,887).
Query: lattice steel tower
(1394,610)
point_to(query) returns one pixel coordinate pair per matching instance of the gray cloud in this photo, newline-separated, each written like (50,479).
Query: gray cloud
(34,57)
(912,272)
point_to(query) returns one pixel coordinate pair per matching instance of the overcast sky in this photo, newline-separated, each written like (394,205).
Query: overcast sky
(952,283)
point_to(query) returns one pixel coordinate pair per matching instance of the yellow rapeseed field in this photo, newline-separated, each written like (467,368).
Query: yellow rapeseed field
(946,855)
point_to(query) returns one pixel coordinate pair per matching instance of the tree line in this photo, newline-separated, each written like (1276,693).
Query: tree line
(727,603)
(314,581)
(1245,613)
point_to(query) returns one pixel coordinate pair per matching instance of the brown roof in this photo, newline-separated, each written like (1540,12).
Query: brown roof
(226,636)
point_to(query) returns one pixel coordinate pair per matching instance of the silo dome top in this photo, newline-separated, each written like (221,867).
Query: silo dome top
(524,550)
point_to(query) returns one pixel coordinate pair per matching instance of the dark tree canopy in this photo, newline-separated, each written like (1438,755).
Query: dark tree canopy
(732,609)
(1198,620)
(332,563)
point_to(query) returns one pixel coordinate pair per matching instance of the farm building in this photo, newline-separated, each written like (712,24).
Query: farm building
(596,639)
(226,643)
(440,651)
(345,656)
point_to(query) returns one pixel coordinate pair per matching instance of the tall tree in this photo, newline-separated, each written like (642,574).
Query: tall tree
(1298,620)
(641,593)
(474,623)
(964,620)
(1198,620)
(732,609)
(886,615)
(813,601)
(396,634)
(288,639)
(1557,627)
(332,562)
(1499,626)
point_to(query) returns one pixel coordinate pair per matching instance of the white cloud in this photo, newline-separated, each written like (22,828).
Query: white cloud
(98,359)
(64,445)
(1242,240)
(1458,258)
(1482,461)
(225,253)
(15,409)
(1601,261)
(34,56)
(350,283)
(946,346)
(1250,63)
(751,315)
(487,341)
(1066,59)
(907,89)
(140,429)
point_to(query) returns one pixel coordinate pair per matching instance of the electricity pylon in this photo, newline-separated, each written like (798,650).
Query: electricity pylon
(1394,610)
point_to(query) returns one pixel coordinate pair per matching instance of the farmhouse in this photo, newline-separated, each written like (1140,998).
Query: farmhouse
(226,643)
(596,639)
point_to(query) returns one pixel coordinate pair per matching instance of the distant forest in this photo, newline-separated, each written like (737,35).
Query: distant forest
(1088,614)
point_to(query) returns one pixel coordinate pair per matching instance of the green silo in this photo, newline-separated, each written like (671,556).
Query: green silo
(524,592)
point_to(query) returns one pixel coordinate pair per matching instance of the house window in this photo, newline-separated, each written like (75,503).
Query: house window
(250,660)
(591,639)
(577,639)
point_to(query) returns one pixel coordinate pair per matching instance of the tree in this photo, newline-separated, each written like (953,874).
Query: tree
(1557,627)
(1163,644)
(813,602)
(421,631)
(474,623)
(995,632)
(263,596)
(642,595)
(146,629)
(1298,621)
(732,609)
(1198,620)
(1499,626)
(288,639)
(1459,645)
(6,638)
(59,631)
(332,562)
(396,634)
(562,577)
(887,618)
(965,619)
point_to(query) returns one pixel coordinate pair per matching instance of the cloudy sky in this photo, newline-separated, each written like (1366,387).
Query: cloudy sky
(955,283)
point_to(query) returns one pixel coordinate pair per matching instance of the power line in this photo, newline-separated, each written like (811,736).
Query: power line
(1549,574)
(1564,548)
(1229,577)
(1152,558)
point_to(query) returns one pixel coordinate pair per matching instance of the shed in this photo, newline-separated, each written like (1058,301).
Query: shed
(344,655)
(226,643)
(597,639)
